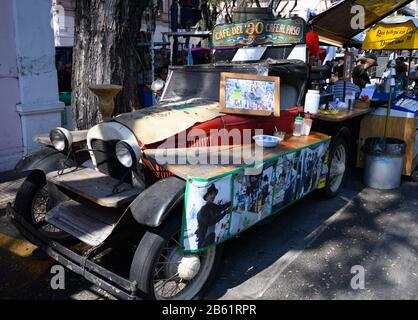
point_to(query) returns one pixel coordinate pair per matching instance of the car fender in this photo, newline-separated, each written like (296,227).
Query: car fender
(46,159)
(156,203)
(346,134)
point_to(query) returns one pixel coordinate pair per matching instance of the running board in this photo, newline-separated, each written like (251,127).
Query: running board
(95,186)
(91,225)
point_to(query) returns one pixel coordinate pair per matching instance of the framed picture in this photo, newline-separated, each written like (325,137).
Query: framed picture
(348,65)
(249,94)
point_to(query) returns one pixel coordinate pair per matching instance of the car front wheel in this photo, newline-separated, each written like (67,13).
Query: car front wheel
(163,272)
(32,203)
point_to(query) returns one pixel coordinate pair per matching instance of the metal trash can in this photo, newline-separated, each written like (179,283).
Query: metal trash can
(383,162)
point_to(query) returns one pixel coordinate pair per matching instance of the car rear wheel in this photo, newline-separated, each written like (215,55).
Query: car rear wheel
(414,175)
(163,272)
(32,203)
(337,168)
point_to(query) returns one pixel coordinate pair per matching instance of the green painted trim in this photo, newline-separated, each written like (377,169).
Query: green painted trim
(184,220)
(232,206)
(274,189)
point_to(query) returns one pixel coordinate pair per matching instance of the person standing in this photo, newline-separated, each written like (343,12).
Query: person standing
(360,73)
(337,89)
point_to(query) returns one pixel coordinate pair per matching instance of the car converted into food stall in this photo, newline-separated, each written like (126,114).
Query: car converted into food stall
(167,185)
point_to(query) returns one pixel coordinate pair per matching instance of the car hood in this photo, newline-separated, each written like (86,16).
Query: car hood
(158,123)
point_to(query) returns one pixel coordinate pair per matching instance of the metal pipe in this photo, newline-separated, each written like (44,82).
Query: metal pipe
(284,7)
(277,5)
(295,5)
(409,72)
(387,124)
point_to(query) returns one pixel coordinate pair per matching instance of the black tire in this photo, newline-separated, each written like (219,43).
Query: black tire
(331,191)
(149,253)
(25,202)
(414,176)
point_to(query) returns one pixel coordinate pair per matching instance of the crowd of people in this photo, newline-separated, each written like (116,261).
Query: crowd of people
(361,74)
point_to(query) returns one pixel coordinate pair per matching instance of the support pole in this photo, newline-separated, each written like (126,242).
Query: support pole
(409,72)
(344,75)
(387,124)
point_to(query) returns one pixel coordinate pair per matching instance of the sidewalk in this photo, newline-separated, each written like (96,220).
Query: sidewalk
(9,184)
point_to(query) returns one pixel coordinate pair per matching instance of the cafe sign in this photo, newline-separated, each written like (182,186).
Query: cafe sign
(260,32)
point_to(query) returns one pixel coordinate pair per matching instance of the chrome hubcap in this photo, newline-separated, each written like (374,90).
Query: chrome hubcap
(185,267)
(337,168)
(181,276)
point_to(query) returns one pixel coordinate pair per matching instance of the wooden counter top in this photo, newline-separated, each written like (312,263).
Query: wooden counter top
(234,157)
(342,115)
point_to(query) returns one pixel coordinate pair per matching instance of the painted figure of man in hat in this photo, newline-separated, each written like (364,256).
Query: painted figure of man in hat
(208,216)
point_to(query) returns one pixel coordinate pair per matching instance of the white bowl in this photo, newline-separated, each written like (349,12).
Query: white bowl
(267,141)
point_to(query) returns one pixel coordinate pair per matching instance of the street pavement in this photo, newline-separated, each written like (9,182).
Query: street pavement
(307,252)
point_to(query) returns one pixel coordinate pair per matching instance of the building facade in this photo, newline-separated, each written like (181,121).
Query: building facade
(29,101)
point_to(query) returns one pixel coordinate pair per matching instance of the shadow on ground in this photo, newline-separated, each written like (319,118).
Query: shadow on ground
(371,231)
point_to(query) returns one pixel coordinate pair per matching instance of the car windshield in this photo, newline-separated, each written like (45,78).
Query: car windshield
(203,82)
(186,83)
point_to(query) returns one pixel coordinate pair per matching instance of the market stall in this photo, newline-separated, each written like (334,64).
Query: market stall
(176,171)
(398,118)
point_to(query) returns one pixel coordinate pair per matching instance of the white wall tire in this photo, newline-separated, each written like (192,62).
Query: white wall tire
(157,264)
(337,167)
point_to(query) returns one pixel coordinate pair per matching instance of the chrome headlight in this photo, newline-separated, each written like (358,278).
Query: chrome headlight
(61,138)
(125,154)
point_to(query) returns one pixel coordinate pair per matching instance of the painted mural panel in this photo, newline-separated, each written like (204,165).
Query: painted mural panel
(222,208)
(252,199)
(207,213)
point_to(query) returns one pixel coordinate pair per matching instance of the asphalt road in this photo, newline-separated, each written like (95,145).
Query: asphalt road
(307,252)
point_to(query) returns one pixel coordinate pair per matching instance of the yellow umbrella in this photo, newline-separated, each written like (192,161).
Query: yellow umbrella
(394,33)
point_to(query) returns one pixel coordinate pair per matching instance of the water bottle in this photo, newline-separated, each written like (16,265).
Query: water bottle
(297,130)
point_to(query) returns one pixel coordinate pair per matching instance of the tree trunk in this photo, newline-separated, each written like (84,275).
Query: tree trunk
(106,32)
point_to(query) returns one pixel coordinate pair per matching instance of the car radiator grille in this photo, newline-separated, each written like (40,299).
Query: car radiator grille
(107,163)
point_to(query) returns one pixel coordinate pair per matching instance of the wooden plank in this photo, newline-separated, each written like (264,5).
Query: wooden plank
(401,128)
(42,139)
(79,137)
(342,115)
(94,186)
(238,157)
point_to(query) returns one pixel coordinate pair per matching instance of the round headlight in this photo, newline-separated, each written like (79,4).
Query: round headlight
(125,154)
(61,138)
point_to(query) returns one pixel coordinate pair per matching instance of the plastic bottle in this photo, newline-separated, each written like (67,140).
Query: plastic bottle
(313,97)
(307,125)
(297,130)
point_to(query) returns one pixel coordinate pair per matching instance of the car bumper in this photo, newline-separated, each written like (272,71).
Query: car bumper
(81,264)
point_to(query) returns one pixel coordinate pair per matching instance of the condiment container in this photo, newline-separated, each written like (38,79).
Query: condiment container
(307,125)
(312,100)
(297,129)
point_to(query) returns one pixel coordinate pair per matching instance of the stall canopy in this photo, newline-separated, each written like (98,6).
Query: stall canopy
(394,33)
(334,25)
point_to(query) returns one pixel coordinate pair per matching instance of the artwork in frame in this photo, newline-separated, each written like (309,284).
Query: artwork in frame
(250,94)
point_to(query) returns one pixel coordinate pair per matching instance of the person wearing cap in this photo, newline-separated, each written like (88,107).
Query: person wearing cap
(337,89)
(360,75)
(401,72)
(208,216)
